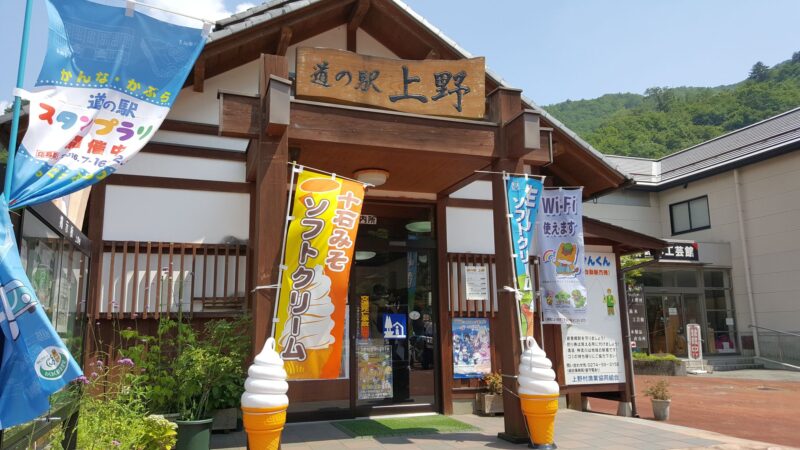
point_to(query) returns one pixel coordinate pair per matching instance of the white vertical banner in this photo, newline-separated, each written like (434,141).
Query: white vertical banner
(559,238)
(593,352)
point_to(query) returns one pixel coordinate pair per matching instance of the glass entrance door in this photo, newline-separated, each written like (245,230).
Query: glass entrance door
(666,324)
(392,290)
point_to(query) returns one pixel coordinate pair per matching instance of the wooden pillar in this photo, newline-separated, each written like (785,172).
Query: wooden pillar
(445,324)
(503,105)
(269,208)
(630,386)
(97,205)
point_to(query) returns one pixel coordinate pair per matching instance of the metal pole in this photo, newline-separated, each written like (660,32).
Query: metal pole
(746,262)
(23,59)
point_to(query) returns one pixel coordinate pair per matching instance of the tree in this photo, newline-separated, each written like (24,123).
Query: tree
(759,72)
(663,97)
(796,57)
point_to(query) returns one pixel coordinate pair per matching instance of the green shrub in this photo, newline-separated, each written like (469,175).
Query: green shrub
(640,356)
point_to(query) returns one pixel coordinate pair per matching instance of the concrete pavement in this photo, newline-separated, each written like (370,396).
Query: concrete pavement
(574,430)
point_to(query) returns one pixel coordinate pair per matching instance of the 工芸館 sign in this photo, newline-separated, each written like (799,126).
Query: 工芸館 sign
(454,88)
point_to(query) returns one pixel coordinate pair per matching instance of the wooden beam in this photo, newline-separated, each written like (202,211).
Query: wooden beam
(178,183)
(284,41)
(357,15)
(445,343)
(158,148)
(189,127)
(199,74)
(318,122)
(468,203)
(503,106)
(239,115)
(276,105)
(466,181)
(96,216)
(266,231)
(296,19)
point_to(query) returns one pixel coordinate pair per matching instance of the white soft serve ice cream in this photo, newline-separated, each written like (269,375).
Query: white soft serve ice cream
(536,376)
(316,323)
(266,384)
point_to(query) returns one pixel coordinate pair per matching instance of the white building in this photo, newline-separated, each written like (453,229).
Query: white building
(737,197)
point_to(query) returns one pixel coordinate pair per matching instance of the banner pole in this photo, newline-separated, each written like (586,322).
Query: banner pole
(23,60)
(517,294)
(281,265)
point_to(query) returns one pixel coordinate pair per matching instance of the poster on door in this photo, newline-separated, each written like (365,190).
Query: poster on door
(374,370)
(593,350)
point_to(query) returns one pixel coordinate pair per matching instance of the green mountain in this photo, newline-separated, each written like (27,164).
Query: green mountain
(665,120)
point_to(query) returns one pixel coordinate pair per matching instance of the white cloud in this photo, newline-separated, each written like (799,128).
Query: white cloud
(244,6)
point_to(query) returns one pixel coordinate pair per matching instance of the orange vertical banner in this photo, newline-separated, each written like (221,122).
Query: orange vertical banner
(319,250)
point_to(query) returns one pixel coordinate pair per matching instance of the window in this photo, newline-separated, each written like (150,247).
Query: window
(691,215)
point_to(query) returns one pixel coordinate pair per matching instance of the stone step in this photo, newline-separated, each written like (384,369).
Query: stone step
(729,367)
(732,360)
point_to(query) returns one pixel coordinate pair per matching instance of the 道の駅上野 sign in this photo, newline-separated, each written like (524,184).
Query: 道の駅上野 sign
(453,88)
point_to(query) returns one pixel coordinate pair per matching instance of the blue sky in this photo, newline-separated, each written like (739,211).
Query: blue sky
(557,50)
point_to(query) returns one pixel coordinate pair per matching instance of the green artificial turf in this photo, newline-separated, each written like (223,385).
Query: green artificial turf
(402,426)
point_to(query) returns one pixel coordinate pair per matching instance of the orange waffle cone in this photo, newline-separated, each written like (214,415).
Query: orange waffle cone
(264,427)
(540,414)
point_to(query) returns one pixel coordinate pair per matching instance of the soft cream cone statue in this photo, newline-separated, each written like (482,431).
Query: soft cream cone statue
(264,401)
(538,395)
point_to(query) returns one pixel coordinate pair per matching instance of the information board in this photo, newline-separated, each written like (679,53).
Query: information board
(593,350)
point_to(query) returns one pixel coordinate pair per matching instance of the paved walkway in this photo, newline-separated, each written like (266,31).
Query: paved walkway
(574,430)
(748,408)
(755,374)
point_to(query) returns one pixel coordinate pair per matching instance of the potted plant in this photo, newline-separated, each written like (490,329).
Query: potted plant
(198,369)
(660,396)
(225,396)
(491,401)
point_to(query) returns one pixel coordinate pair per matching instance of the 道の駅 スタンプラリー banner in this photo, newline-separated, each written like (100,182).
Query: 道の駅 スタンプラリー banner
(560,246)
(522,197)
(313,294)
(106,84)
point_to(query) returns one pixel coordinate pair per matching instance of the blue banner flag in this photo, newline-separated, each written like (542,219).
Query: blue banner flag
(522,194)
(107,82)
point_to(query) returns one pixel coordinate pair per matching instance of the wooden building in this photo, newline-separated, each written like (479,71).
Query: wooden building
(195,222)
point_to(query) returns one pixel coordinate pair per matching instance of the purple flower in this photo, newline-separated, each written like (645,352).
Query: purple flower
(99,363)
(116,443)
(82,379)
(94,375)
(125,362)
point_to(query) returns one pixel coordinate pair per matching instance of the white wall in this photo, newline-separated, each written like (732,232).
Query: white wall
(470,230)
(643,219)
(770,193)
(203,106)
(174,215)
(171,166)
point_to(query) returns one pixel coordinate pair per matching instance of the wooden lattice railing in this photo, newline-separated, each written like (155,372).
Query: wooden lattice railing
(459,306)
(147,279)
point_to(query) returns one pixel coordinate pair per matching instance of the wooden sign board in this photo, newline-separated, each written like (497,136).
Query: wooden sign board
(455,88)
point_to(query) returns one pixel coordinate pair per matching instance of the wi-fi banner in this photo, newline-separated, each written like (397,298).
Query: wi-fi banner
(560,245)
